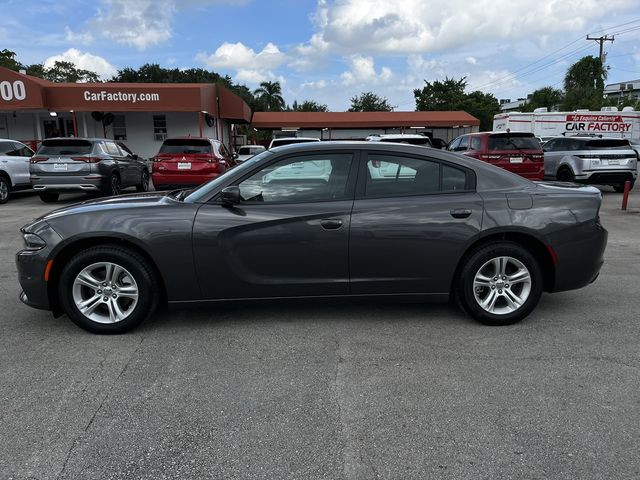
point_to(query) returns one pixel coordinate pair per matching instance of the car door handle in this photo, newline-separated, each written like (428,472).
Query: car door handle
(460,212)
(331,223)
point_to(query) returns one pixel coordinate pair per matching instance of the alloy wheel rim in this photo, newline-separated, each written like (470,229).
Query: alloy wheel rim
(105,292)
(145,181)
(4,190)
(502,285)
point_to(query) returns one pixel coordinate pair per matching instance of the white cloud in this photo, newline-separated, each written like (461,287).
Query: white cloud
(84,61)
(471,60)
(238,56)
(81,38)
(363,72)
(417,26)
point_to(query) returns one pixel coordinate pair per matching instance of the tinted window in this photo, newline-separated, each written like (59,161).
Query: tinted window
(476,143)
(249,150)
(65,147)
(454,144)
(607,144)
(112,149)
(411,141)
(453,179)
(389,175)
(7,148)
(22,150)
(185,146)
(305,178)
(513,141)
(125,149)
(464,141)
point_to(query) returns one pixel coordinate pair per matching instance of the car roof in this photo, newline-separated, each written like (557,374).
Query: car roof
(296,138)
(501,132)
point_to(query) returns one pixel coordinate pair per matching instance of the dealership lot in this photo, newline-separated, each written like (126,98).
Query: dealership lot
(327,389)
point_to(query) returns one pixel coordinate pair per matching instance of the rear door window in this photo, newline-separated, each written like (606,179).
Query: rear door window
(65,147)
(513,142)
(112,149)
(476,143)
(186,146)
(607,144)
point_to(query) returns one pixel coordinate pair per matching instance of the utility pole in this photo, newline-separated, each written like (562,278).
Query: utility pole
(601,41)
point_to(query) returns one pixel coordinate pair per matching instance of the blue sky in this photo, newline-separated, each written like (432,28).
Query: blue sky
(331,50)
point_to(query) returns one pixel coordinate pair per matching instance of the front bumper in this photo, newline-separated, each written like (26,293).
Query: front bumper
(69,183)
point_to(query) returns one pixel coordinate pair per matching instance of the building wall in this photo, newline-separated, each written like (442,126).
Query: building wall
(446,134)
(139,128)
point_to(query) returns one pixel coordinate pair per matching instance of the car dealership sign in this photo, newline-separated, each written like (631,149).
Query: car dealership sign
(590,123)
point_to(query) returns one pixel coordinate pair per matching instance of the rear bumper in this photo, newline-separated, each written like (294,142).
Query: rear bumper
(580,258)
(181,180)
(610,177)
(530,171)
(66,183)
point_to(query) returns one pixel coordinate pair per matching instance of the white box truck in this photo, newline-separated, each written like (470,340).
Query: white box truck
(609,123)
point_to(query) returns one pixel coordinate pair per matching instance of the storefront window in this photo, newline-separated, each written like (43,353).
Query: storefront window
(119,128)
(159,128)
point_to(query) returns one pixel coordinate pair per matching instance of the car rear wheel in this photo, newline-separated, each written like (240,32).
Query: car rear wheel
(5,189)
(49,197)
(500,284)
(113,188)
(144,182)
(108,290)
(565,175)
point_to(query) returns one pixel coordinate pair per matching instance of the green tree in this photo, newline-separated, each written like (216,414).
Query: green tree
(8,60)
(63,71)
(584,84)
(269,97)
(308,106)
(450,95)
(370,102)
(544,97)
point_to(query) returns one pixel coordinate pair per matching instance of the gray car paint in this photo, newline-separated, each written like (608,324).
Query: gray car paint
(204,250)
(16,168)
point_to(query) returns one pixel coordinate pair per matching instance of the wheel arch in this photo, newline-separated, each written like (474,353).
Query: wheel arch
(534,245)
(72,247)
(7,177)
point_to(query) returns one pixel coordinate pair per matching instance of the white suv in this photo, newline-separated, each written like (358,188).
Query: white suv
(14,167)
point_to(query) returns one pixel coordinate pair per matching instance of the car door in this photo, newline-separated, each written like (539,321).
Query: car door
(412,219)
(123,163)
(553,153)
(288,236)
(14,160)
(135,164)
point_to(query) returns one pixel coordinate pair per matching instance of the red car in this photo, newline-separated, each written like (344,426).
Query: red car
(518,152)
(189,161)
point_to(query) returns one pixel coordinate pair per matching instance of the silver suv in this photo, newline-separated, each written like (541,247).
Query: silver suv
(14,167)
(598,161)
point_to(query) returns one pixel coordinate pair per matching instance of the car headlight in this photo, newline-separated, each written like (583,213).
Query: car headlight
(33,241)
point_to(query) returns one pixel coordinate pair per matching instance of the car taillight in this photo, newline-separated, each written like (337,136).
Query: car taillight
(38,159)
(490,157)
(86,159)
(537,158)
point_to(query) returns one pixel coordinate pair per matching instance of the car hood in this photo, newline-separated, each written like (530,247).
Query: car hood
(111,203)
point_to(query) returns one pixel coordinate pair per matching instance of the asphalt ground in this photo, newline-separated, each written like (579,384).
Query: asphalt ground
(306,390)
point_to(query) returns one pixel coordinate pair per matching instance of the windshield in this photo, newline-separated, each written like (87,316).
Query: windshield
(204,190)
(185,146)
(65,147)
(511,142)
(289,141)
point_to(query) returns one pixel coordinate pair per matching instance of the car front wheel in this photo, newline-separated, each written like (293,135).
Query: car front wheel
(500,284)
(108,289)
(144,182)
(5,189)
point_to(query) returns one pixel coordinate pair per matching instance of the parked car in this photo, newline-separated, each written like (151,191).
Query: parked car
(99,165)
(280,142)
(518,152)
(439,143)
(451,226)
(14,167)
(189,162)
(411,139)
(598,161)
(247,151)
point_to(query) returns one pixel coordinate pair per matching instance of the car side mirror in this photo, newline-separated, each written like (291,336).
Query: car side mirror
(135,156)
(230,195)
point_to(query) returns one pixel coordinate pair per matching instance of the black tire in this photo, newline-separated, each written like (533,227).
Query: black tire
(466,291)
(144,182)
(5,189)
(565,175)
(49,197)
(134,264)
(114,187)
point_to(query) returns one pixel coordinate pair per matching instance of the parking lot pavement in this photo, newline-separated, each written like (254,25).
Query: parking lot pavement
(328,390)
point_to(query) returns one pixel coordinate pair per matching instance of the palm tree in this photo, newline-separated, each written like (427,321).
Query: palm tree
(269,95)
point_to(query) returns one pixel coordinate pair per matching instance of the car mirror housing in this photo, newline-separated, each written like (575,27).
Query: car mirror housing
(230,195)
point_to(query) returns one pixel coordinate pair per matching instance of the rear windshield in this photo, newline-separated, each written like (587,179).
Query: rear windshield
(289,141)
(513,142)
(411,141)
(186,145)
(607,144)
(65,147)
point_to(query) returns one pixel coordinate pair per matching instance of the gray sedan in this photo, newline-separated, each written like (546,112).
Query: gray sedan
(330,219)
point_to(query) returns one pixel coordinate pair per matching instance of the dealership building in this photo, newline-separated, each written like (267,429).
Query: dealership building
(140,114)
(144,114)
